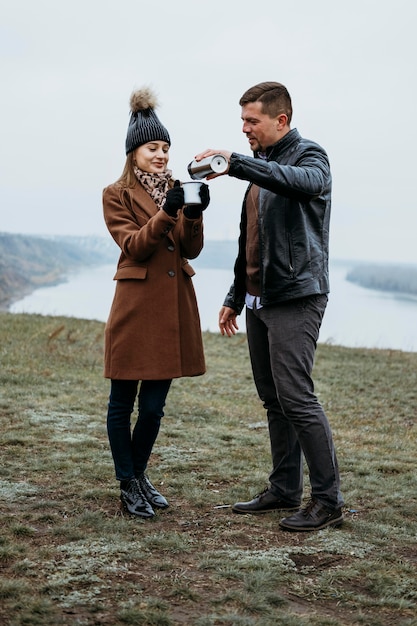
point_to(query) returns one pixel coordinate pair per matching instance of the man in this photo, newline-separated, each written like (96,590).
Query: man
(281,274)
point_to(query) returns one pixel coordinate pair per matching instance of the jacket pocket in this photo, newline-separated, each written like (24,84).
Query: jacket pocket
(126,272)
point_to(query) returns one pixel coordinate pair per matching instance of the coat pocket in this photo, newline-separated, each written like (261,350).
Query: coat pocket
(126,272)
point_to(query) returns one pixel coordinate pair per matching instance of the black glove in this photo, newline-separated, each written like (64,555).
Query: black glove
(174,200)
(205,196)
(193,211)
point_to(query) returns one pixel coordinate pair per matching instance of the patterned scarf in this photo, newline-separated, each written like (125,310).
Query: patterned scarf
(156,185)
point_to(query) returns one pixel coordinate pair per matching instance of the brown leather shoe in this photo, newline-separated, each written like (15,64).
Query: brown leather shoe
(264,502)
(314,517)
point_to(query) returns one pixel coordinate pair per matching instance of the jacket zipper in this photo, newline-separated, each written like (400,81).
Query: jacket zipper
(290,258)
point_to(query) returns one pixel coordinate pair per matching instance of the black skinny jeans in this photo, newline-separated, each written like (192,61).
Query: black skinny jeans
(131,450)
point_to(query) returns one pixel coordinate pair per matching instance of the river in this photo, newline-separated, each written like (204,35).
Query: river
(355,316)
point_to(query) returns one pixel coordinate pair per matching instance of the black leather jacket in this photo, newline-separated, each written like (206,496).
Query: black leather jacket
(293,221)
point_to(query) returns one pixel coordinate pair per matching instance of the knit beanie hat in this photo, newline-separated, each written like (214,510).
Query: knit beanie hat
(144,125)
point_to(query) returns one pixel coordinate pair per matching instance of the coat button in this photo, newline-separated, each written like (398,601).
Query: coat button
(171,248)
(171,273)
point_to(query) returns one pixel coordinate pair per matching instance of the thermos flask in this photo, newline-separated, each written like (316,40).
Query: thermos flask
(216,164)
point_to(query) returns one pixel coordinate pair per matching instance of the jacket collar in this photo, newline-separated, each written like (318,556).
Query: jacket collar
(274,151)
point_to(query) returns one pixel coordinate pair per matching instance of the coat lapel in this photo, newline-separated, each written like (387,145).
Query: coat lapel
(142,203)
(144,207)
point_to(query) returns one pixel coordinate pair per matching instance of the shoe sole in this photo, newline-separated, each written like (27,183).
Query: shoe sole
(263,511)
(330,524)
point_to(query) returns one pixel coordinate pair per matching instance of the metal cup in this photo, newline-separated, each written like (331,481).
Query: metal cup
(191,195)
(216,164)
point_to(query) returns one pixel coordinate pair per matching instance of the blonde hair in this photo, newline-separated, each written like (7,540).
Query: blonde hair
(128,176)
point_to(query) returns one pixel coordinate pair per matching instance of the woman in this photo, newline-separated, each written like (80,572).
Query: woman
(153,332)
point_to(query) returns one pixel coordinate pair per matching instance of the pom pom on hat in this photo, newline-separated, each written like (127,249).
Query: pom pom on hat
(143,99)
(144,124)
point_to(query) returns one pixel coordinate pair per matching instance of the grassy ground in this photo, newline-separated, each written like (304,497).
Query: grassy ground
(69,556)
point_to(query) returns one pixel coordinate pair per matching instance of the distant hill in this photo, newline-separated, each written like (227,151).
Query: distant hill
(28,262)
(393,278)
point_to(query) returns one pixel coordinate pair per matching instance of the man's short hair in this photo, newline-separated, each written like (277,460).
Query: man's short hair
(274,97)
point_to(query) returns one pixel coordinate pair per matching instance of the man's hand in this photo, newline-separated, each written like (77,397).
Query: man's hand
(227,321)
(210,152)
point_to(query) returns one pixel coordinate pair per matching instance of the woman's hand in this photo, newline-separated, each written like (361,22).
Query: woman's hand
(174,200)
(227,321)
(204,194)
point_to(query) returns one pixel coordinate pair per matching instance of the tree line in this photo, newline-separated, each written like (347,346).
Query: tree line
(395,278)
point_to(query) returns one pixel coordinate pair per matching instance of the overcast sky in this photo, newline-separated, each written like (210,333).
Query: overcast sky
(67,71)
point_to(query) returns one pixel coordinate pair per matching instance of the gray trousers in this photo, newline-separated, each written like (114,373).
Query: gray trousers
(282,343)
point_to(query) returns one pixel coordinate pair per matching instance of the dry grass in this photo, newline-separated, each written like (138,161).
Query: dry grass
(69,556)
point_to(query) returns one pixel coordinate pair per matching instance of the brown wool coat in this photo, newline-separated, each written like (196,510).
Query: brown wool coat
(153,330)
